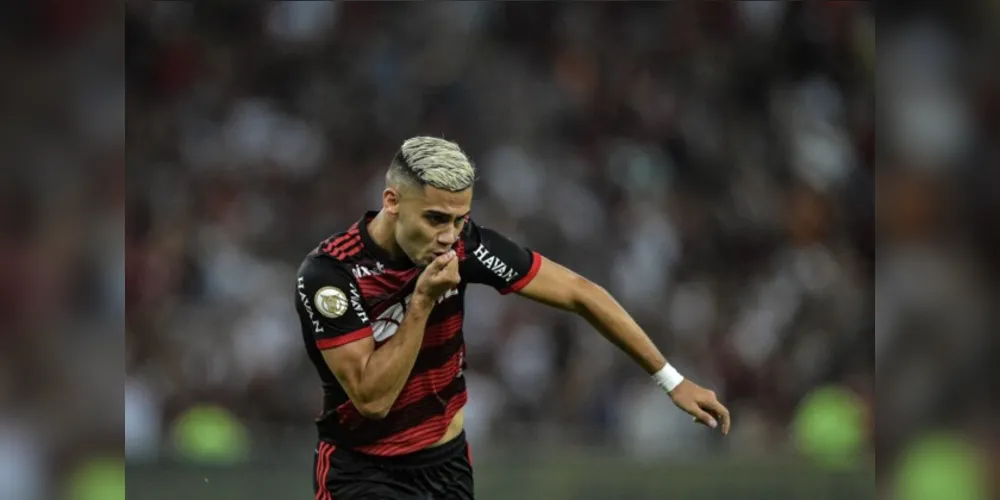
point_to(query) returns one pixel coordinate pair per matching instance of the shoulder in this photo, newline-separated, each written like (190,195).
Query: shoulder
(475,235)
(316,262)
(335,253)
(470,238)
(318,270)
(343,246)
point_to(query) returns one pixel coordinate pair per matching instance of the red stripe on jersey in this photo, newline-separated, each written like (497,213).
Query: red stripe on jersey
(416,388)
(418,437)
(347,338)
(385,284)
(428,382)
(336,242)
(439,333)
(352,251)
(350,246)
(371,288)
(536,263)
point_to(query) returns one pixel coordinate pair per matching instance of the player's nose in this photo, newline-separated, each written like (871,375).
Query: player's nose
(447,238)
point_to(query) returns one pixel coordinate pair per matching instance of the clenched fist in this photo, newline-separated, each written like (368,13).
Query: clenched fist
(439,276)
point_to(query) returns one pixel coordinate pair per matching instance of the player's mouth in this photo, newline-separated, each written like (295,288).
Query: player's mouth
(438,253)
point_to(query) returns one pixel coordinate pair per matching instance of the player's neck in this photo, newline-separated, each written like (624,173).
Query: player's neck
(380,229)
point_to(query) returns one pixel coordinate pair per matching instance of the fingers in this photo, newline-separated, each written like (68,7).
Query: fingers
(702,417)
(441,261)
(705,407)
(451,272)
(720,411)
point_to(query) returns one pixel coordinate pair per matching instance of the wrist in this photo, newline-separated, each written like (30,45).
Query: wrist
(668,378)
(422,301)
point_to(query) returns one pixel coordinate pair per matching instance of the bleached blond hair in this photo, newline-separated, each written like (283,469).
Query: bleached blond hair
(431,161)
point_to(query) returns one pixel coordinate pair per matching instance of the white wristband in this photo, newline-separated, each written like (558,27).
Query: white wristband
(668,378)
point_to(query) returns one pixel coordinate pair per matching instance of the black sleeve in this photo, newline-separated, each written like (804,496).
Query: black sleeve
(493,259)
(329,303)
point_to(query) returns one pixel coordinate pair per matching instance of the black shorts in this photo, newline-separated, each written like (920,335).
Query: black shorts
(439,473)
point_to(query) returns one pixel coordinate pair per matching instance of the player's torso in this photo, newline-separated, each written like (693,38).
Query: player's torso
(435,389)
(436,380)
(352,289)
(387,294)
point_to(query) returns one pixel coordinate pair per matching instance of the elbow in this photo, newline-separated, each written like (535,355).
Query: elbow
(586,295)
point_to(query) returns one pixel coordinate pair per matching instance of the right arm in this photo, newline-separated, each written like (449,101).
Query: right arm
(374,378)
(371,378)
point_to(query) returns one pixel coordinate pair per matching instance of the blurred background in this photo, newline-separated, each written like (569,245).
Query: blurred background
(713,165)
(710,165)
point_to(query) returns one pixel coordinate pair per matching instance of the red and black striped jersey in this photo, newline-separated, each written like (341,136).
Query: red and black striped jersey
(349,288)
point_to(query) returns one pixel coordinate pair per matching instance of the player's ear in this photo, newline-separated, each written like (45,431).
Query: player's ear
(390,200)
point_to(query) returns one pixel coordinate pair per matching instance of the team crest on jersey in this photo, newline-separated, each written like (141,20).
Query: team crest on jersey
(331,302)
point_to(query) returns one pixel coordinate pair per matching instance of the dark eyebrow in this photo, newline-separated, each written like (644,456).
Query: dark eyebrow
(435,212)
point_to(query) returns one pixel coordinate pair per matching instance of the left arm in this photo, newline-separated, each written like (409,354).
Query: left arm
(490,258)
(559,287)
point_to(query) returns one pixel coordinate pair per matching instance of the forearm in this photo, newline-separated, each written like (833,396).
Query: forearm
(608,317)
(389,366)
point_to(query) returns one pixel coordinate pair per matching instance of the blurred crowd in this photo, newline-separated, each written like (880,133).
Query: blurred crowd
(62,259)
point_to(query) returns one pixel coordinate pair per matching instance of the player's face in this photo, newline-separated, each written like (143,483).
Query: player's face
(430,222)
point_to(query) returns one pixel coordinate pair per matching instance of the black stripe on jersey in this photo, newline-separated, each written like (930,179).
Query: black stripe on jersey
(411,416)
(378,305)
(434,357)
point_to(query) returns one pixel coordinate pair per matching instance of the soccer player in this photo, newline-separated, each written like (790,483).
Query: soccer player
(381,308)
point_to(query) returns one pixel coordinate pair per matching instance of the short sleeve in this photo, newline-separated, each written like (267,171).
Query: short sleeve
(493,259)
(329,303)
